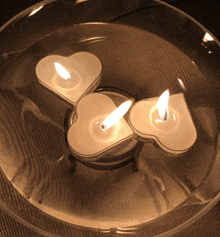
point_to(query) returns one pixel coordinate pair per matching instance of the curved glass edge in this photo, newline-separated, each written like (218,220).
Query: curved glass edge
(140,2)
(168,233)
(191,221)
(25,223)
(135,231)
(189,17)
(25,12)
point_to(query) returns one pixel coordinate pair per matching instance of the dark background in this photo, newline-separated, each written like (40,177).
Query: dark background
(207,12)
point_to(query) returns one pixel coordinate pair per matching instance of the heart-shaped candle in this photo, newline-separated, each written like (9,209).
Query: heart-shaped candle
(70,77)
(88,136)
(166,120)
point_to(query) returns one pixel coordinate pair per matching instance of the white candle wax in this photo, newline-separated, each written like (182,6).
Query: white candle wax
(86,138)
(175,135)
(70,77)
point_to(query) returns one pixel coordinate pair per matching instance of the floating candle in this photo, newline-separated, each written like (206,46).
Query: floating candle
(70,77)
(90,135)
(166,120)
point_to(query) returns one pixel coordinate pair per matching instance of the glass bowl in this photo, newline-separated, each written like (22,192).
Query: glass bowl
(145,47)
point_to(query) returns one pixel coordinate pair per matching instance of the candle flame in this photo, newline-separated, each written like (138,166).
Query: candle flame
(61,70)
(116,115)
(163,106)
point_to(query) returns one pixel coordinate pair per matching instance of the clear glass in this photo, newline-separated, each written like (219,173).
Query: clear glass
(145,47)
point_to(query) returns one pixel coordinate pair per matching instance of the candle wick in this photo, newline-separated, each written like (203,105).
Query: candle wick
(102,126)
(166,115)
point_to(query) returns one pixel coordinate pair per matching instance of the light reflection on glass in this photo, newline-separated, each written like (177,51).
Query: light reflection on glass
(105,231)
(123,232)
(181,83)
(207,37)
(36,10)
(94,39)
(78,1)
